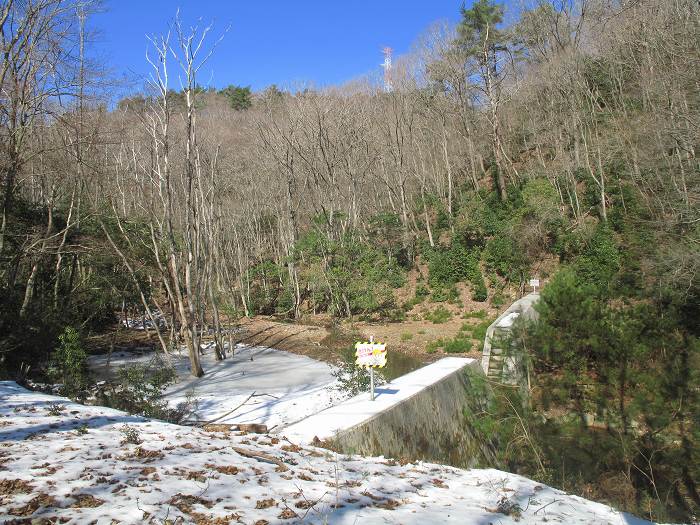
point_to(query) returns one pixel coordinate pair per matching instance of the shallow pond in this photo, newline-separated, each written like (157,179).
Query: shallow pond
(397,363)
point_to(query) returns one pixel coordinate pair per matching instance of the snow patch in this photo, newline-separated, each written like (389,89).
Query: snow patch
(51,469)
(287,387)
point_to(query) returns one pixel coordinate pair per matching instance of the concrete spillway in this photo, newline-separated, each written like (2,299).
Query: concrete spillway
(420,415)
(496,362)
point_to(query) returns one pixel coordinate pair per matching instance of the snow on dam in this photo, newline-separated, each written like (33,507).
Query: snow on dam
(418,416)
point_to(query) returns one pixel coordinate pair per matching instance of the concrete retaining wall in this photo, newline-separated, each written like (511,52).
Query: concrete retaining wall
(432,425)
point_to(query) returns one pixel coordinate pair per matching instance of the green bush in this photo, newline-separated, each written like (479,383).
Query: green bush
(353,379)
(130,435)
(140,391)
(600,261)
(458,345)
(539,218)
(498,299)
(143,388)
(477,314)
(360,277)
(230,310)
(626,364)
(439,315)
(443,294)
(386,233)
(393,315)
(406,336)
(503,256)
(442,220)
(433,346)
(479,331)
(482,216)
(448,266)
(422,292)
(69,364)
(479,291)
(466,327)
(56,409)
(285,300)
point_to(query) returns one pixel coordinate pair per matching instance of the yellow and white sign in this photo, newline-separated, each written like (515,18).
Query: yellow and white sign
(370,354)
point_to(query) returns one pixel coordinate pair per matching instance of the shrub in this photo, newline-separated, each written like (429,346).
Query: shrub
(498,300)
(130,435)
(406,336)
(140,391)
(477,314)
(433,346)
(482,216)
(458,345)
(600,260)
(69,364)
(144,387)
(442,294)
(393,315)
(421,292)
(593,355)
(353,379)
(447,266)
(285,301)
(503,256)
(539,221)
(360,277)
(439,315)
(479,291)
(541,200)
(509,507)
(230,311)
(479,331)
(56,409)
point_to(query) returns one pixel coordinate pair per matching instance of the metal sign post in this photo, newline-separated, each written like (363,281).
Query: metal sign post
(370,355)
(371,373)
(534,283)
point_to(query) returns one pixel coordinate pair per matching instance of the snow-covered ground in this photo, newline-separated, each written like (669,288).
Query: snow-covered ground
(286,387)
(61,462)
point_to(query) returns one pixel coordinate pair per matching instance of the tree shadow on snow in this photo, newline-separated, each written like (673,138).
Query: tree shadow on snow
(19,433)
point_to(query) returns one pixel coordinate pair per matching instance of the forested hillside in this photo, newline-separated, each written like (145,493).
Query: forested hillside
(562,145)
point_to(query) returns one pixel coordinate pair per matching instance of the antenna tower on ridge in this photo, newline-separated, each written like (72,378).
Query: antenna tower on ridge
(388,86)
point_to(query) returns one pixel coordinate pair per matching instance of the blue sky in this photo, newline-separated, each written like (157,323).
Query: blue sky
(271,42)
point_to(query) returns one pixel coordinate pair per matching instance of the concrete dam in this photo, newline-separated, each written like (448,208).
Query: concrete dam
(422,415)
(428,414)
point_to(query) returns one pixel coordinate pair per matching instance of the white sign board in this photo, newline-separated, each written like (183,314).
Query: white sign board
(534,283)
(371,355)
